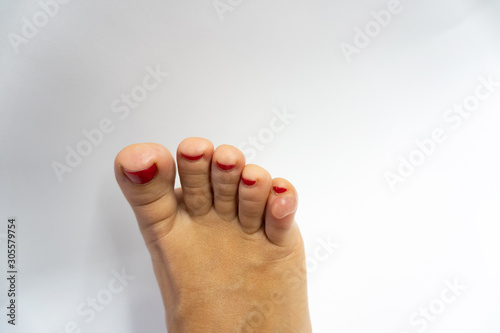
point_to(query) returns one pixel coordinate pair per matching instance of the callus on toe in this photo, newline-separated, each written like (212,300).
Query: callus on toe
(284,206)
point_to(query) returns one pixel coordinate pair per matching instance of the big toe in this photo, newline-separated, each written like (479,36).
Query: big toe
(146,175)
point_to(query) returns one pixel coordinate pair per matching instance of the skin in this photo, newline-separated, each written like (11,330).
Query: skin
(228,256)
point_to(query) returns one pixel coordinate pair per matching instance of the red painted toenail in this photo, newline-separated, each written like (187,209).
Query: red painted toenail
(143,176)
(279,190)
(192,158)
(226,166)
(248,182)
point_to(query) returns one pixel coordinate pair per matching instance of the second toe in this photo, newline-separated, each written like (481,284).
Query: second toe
(194,156)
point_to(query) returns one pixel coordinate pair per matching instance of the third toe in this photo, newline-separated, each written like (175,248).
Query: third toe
(227,164)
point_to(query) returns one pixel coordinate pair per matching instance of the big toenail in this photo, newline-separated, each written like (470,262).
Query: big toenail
(142,176)
(192,158)
(226,167)
(248,182)
(279,190)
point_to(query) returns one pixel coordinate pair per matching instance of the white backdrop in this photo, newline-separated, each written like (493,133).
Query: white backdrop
(387,123)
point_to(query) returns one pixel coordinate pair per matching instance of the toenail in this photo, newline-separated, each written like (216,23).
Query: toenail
(279,190)
(142,176)
(248,182)
(192,158)
(226,167)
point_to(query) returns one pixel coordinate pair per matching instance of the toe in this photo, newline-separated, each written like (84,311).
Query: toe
(194,156)
(280,226)
(227,164)
(253,193)
(146,175)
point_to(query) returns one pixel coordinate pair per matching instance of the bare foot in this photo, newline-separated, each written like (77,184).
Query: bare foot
(226,251)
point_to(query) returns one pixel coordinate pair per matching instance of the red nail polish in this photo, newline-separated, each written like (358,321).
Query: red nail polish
(248,182)
(142,176)
(192,158)
(279,190)
(226,167)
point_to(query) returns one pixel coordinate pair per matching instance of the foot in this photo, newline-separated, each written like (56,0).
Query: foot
(226,251)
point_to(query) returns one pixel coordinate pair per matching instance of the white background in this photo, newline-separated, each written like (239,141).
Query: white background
(354,118)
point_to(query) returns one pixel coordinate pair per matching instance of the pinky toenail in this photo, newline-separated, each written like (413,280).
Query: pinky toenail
(142,176)
(248,182)
(226,167)
(279,190)
(192,158)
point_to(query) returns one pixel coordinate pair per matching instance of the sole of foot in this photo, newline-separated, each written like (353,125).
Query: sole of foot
(227,253)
